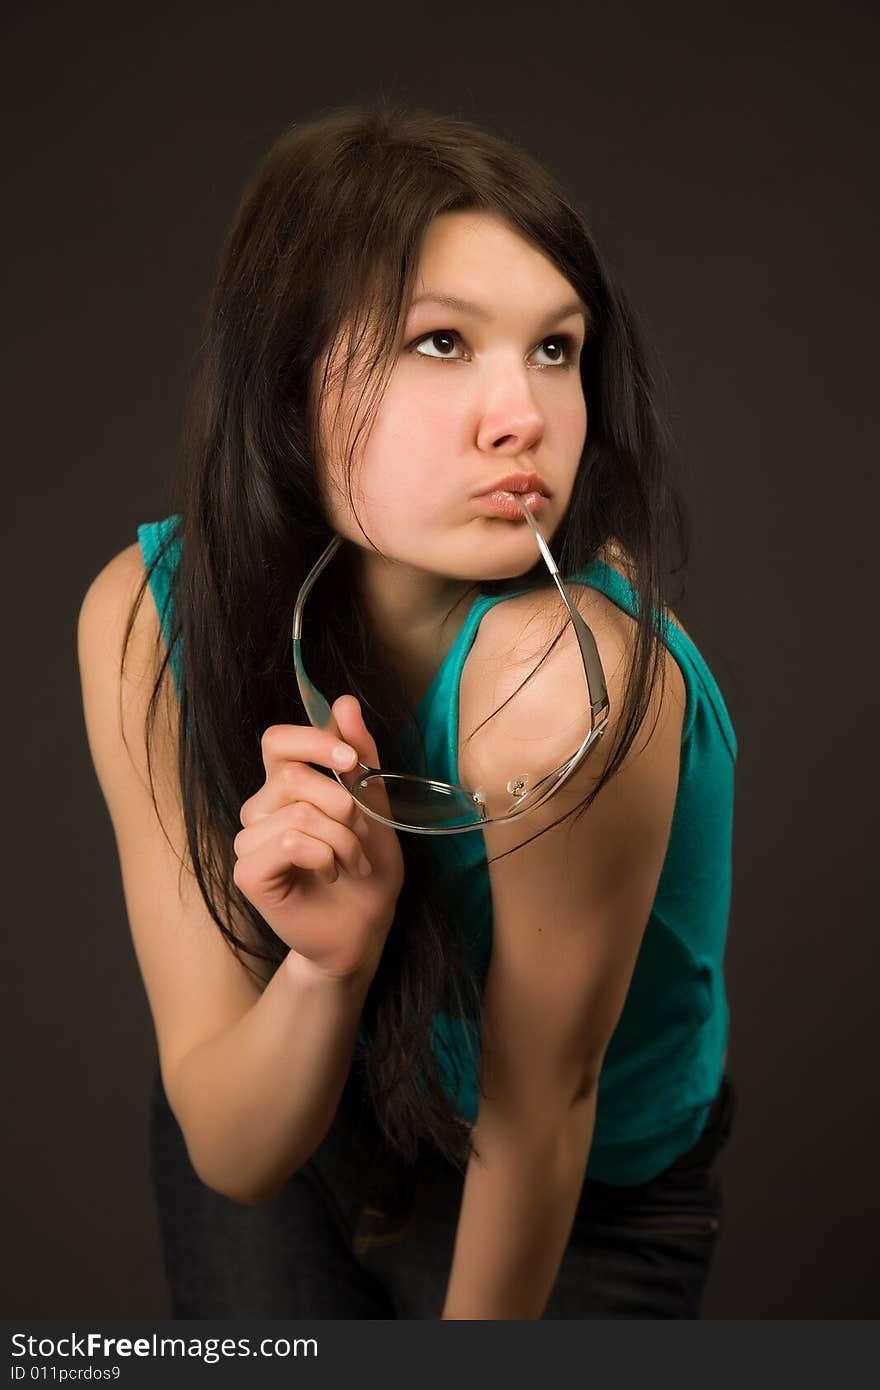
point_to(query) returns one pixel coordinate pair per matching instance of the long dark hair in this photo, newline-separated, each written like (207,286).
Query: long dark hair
(328,233)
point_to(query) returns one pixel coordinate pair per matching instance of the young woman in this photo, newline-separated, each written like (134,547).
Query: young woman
(470,1074)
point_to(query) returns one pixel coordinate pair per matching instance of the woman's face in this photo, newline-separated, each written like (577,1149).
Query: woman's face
(475,394)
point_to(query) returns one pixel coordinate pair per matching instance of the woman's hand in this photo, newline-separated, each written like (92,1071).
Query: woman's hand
(300,853)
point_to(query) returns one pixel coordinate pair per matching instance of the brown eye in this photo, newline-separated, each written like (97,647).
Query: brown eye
(561,342)
(441,337)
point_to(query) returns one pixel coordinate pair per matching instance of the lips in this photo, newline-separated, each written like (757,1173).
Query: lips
(516,482)
(506,504)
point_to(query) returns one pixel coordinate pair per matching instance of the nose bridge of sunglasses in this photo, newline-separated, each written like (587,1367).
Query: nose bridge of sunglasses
(517,785)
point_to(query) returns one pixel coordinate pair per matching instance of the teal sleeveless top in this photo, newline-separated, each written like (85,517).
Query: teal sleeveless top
(666,1058)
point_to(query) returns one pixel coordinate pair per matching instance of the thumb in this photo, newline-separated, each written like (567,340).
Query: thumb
(350,723)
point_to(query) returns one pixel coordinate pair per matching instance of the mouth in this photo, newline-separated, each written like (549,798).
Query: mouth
(524,483)
(504,503)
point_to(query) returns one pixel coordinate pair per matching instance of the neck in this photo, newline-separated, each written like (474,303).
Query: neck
(416,616)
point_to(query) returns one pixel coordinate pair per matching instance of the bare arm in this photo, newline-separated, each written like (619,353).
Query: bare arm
(569,913)
(255,1101)
(253,1069)
(517,1211)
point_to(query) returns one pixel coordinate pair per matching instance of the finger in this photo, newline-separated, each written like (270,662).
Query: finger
(295,781)
(300,743)
(350,722)
(269,873)
(303,818)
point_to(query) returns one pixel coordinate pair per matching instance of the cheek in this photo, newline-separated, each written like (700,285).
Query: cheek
(571,424)
(577,417)
(411,440)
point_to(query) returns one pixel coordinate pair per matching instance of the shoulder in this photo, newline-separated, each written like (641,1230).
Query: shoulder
(121,573)
(570,905)
(525,737)
(111,626)
(107,609)
(109,600)
(116,698)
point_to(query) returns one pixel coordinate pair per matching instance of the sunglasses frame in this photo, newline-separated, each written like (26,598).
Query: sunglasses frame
(320,715)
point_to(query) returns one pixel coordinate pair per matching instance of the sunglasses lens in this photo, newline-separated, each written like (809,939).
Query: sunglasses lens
(413,802)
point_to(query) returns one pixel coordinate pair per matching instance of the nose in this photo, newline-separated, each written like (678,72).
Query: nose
(512,421)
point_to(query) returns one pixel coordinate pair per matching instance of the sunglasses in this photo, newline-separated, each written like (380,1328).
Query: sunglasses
(428,807)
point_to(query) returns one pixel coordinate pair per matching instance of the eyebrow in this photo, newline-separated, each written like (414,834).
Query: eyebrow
(464,306)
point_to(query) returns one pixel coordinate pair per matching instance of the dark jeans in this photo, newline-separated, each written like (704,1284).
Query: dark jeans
(356,1234)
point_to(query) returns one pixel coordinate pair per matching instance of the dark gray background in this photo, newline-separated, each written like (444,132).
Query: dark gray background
(722,156)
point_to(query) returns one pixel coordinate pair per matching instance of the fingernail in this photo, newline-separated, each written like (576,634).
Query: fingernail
(343,756)
(364,866)
(360,826)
